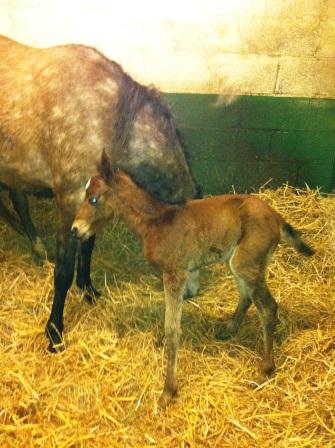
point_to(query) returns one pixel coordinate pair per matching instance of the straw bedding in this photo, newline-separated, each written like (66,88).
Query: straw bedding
(102,391)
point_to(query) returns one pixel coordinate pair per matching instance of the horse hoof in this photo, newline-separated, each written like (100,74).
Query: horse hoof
(187,295)
(54,335)
(91,294)
(267,368)
(192,285)
(224,332)
(39,251)
(55,348)
(90,299)
(165,399)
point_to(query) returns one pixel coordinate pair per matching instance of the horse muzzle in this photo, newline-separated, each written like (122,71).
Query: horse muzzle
(80,230)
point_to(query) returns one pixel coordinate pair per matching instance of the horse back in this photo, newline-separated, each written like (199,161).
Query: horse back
(56,109)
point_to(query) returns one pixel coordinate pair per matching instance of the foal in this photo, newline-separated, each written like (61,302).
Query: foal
(241,230)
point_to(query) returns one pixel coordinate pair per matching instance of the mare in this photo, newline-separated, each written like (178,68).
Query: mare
(60,108)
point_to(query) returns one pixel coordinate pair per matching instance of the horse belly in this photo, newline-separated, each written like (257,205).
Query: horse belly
(24,178)
(23,167)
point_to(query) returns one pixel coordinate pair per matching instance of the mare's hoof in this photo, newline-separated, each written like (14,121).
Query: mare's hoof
(91,294)
(56,348)
(39,251)
(54,335)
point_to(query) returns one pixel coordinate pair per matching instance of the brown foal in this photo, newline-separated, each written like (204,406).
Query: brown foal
(241,230)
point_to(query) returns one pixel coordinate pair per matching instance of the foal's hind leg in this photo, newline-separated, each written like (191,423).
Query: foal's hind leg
(83,280)
(267,311)
(249,271)
(259,294)
(21,205)
(235,322)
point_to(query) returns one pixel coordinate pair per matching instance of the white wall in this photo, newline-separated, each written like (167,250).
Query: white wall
(267,47)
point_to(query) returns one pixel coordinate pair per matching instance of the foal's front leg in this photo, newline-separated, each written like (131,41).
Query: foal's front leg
(84,281)
(174,284)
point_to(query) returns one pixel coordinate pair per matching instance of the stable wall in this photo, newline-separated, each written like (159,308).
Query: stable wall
(215,59)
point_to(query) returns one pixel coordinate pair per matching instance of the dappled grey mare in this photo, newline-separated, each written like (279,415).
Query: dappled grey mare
(60,107)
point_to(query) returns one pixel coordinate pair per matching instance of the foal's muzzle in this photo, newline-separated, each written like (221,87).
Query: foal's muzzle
(81,229)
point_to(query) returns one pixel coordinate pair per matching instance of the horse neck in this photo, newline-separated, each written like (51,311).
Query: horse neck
(136,207)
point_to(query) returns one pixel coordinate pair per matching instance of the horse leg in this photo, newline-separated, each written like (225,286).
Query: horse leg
(267,311)
(63,276)
(256,291)
(21,206)
(249,269)
(83,280)
(173,288)
(192,284)
(235,322)
(11,219)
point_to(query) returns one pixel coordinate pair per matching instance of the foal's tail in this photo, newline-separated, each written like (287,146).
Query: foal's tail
(291,236)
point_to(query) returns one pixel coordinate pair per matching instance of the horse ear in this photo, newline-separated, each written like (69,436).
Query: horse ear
(105,168)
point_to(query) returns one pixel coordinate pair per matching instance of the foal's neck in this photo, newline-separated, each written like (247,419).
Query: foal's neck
(138,209)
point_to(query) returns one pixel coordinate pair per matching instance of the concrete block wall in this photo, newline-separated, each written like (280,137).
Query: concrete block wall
(240,47)
(251,82)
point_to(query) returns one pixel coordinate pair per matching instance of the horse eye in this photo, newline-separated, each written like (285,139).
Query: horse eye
(93,200)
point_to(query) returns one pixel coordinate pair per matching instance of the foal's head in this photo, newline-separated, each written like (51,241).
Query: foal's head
(100,200)
(115,192)
(95,210)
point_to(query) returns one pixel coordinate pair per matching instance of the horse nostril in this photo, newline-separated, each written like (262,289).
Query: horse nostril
(74,231)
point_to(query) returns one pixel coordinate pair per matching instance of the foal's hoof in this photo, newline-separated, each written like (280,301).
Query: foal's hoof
(188,294)
(192,285)
(166,398)
(54,335)
(267,368)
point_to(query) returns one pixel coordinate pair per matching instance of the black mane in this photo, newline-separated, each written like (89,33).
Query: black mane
(132,98)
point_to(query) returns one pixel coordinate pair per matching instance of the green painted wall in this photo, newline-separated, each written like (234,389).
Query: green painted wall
(258,138)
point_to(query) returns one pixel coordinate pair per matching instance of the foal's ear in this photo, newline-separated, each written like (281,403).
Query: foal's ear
(105,167)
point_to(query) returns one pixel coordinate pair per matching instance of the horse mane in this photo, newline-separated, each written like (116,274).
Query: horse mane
(133,96)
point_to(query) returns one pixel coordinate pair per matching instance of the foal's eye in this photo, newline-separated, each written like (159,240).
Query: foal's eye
(93,200)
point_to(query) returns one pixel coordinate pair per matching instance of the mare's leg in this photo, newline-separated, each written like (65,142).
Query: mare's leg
(11,219)
(63,276)
(84,269)
(21,206)
(192,284)
(173,288)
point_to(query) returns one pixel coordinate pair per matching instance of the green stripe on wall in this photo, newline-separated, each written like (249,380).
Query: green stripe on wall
(255,139)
